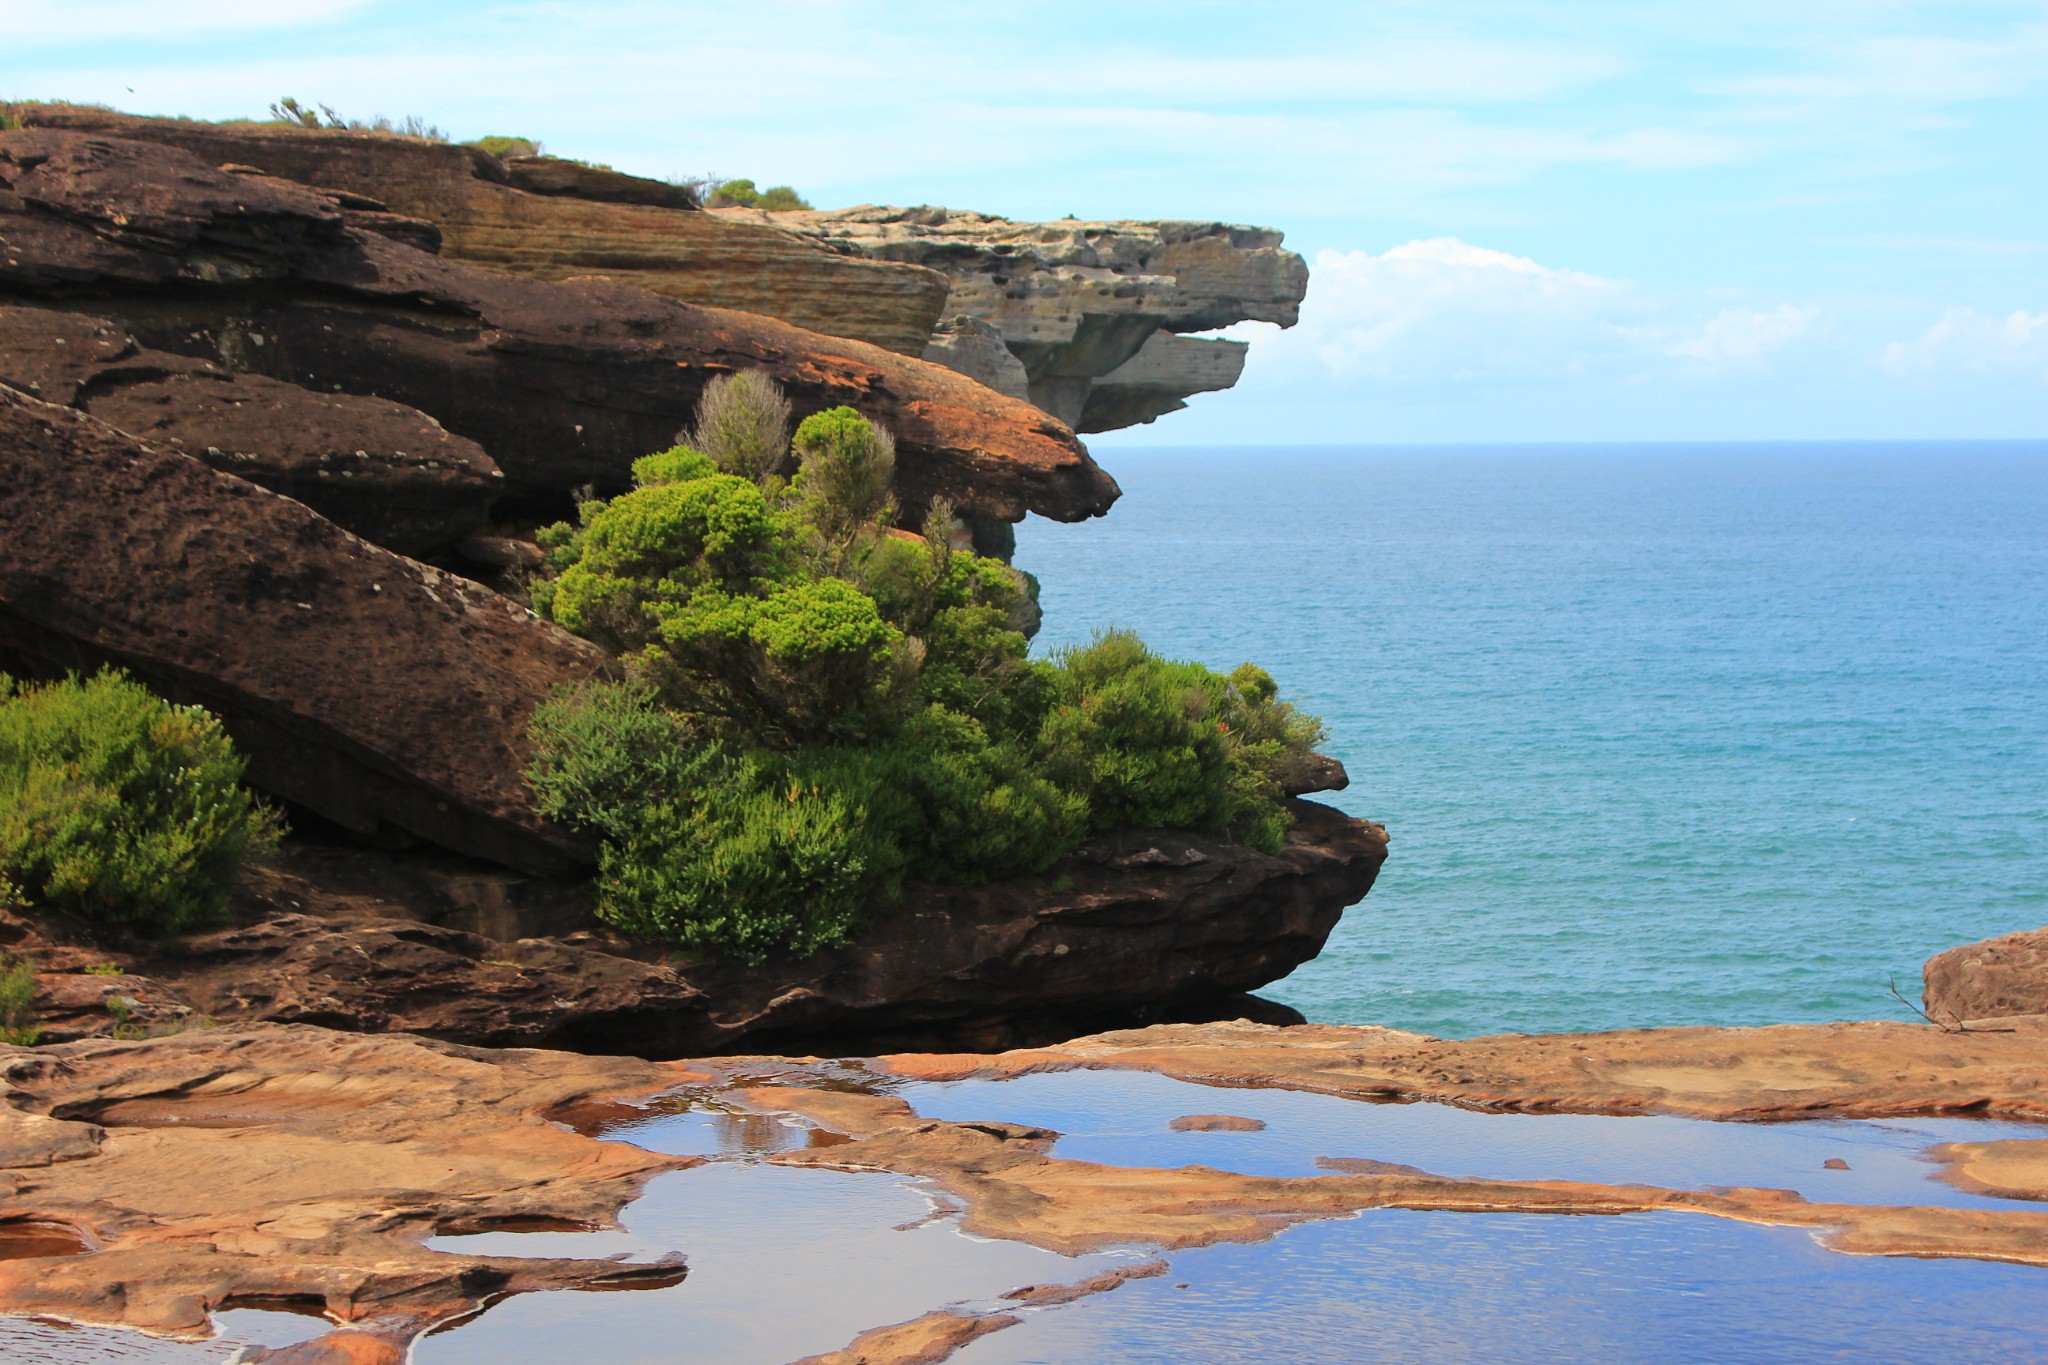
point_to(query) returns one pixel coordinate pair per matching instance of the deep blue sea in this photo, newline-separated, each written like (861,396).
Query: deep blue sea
(1662,734)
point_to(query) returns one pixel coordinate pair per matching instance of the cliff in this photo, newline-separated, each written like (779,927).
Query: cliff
(550,219)
(1094,313)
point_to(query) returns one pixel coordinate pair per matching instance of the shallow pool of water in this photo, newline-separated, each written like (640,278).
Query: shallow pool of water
(33,1341)
(1396,1286)
(784,1261)
(1120,1118)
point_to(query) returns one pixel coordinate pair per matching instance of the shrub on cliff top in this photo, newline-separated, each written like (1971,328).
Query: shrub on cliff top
(822,706)
(120,808)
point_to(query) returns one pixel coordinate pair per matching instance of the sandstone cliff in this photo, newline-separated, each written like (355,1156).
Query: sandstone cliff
(1090,319)
(550,219)
(1094,313)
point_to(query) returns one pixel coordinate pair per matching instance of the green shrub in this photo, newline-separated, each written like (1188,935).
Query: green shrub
(120,808)
(845,464)
(508,146)
(17,994)
(734,194)
(780,199)
(821,706)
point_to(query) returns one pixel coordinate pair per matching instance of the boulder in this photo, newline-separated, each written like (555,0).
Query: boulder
(387,472)
(549,218)
(564,385)
(1996,979)
(1132,928)
(387,696)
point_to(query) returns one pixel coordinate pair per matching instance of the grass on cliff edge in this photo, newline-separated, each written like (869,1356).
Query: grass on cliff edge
(822,706)
(118,808)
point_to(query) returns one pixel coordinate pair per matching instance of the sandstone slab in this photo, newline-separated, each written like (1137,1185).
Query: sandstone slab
(389,473)
(388,696)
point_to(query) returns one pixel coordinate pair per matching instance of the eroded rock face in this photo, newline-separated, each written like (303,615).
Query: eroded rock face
(562,384)
(387,472)
(552,219)
(386,695)
(1133,927)
(1997,979)
(1093,311)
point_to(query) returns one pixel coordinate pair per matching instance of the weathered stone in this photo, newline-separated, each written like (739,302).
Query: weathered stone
(386,695)
(1090,309)
(389,473)
(1996,979)
(1134,927)
(304,1168)
(975,348)
(563,384)
(552,219)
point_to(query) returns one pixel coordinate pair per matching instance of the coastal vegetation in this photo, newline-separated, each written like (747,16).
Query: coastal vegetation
(821,705)
(742,194)
(118,808)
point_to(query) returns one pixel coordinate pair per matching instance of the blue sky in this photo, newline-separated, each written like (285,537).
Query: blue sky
(1526,221)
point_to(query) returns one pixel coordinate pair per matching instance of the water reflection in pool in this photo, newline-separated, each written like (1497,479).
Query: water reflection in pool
(1121,1117)
(1394,1286)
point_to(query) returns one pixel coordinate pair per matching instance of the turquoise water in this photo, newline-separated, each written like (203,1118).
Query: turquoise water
(1662,734)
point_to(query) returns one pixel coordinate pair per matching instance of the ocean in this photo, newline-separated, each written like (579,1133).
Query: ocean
(1661,734)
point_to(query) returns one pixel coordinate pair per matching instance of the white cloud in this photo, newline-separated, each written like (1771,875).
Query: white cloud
(1444,311)
(1737,336)
(1966,339)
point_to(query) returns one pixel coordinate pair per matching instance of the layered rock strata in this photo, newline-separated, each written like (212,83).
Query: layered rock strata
(563,385)
(1132,927)
(389,473)
(552,219)
(386,695)
(1093,312)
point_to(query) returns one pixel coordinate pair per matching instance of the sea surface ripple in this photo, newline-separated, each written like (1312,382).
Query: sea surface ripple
(1720,734)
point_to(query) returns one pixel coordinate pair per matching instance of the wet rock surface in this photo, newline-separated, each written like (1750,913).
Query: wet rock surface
(388,696)
(291,1165)
(299,1168)
(562,384)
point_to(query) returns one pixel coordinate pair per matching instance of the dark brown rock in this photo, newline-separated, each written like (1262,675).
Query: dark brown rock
(553,219)
(386,695)
(1996,979)
(563,384)
(1110,936)
(389,473)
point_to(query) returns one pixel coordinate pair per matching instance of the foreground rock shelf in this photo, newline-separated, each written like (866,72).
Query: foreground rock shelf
(291,1166)
(1143,925)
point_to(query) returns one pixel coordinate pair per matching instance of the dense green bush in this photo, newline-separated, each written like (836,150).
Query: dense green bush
(508,146)
(118,807)
(742,194)
(822,706)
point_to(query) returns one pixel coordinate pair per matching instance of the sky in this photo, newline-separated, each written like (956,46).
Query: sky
(1536,220)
